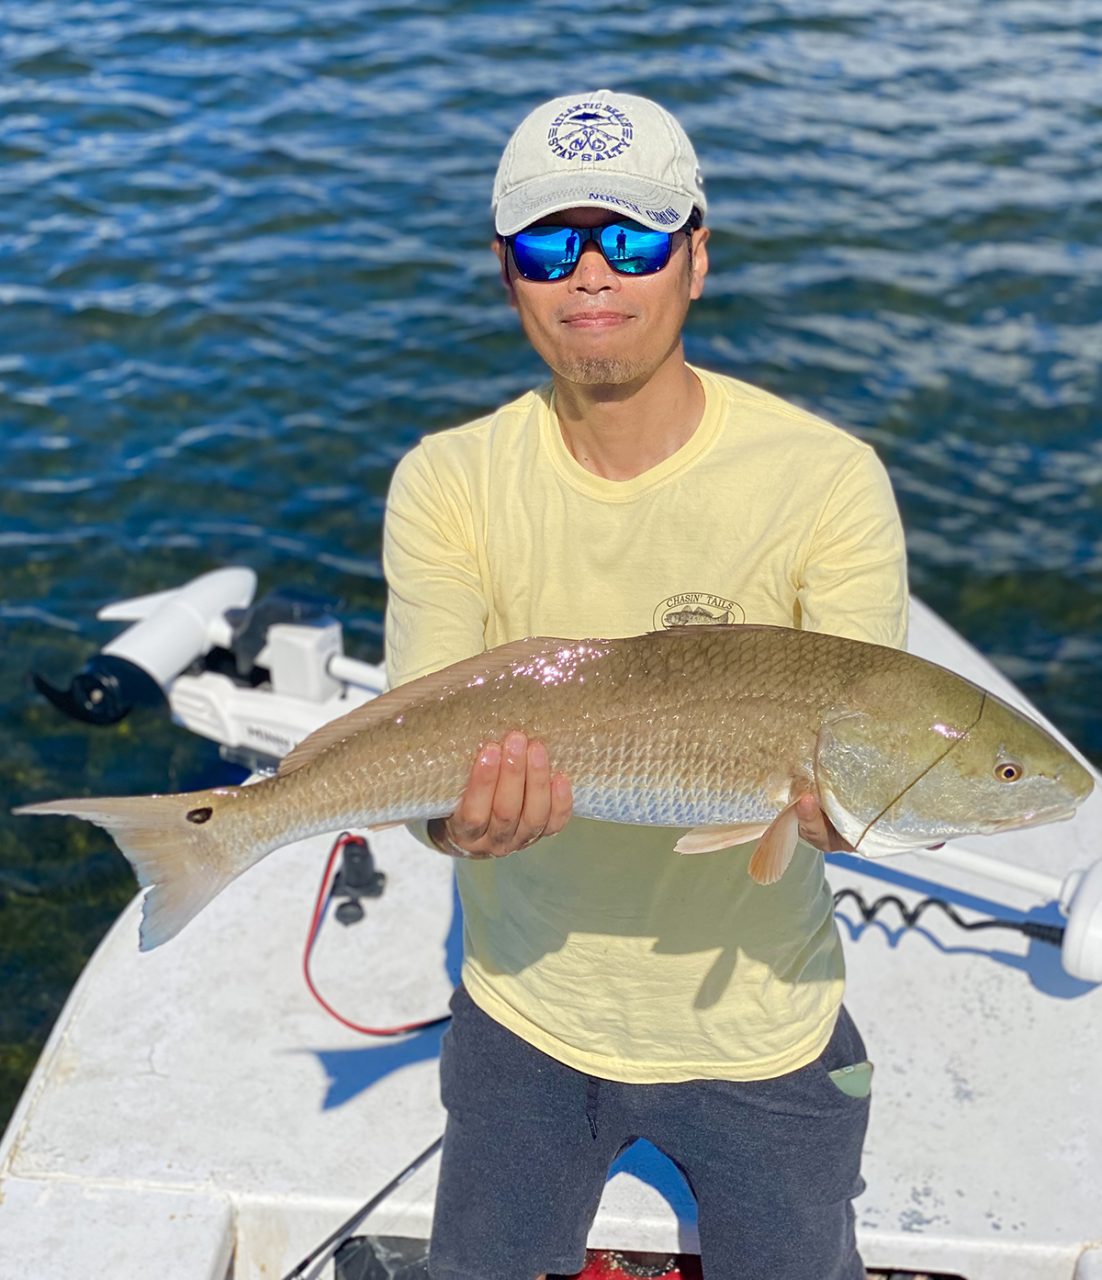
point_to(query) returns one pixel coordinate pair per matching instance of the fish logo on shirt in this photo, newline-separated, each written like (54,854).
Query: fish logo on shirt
(697,608)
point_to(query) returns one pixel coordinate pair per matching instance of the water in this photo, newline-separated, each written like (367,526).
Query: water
(244,265)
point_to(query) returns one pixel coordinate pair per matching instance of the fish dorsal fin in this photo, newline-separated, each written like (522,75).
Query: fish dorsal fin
(770,859)
(707,839)
(482,667)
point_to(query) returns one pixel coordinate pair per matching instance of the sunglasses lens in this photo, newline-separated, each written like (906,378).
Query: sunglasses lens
(635,250)
(546,253)
(552,252)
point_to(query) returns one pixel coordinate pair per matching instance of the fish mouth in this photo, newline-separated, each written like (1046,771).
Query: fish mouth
(1037,819)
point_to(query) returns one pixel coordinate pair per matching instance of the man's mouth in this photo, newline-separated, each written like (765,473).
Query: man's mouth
(595,319)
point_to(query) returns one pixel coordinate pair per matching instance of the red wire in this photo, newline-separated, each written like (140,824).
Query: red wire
(311,937)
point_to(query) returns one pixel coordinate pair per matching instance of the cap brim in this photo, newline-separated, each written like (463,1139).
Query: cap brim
(648,202)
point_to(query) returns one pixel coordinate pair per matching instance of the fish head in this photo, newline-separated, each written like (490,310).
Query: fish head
(917,772)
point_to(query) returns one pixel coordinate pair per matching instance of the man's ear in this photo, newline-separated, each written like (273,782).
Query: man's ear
(502,252)
(699,262)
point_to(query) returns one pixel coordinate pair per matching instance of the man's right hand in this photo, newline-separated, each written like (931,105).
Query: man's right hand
(512,800)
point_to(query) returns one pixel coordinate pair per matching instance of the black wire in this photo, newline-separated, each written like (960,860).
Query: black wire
(330,1245)
(1051,933)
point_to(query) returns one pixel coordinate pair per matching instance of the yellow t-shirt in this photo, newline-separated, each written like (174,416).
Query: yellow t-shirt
(601,946)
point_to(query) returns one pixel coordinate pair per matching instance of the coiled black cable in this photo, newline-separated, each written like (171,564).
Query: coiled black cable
(1051,933)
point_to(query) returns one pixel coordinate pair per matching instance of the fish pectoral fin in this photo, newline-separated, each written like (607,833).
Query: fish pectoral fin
(770,859)
(708,839)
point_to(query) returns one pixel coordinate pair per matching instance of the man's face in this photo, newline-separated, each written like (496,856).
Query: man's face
(597,327)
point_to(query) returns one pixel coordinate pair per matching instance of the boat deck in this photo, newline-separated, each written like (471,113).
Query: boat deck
(196,1114)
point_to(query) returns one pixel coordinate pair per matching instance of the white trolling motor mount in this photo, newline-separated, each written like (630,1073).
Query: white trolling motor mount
(255,678)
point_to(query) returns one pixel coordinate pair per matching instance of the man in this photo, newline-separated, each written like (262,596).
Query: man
(613,989)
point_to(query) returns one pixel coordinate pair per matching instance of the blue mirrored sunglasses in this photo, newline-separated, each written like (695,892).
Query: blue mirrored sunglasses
(551,252)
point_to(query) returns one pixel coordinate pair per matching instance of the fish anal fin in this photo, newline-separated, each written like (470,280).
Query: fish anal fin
(708,839)
(770,859)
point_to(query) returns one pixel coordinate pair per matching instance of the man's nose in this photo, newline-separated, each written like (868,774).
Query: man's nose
(593,272)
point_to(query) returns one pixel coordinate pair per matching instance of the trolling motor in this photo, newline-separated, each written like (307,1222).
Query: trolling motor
(173,629)
(254,677)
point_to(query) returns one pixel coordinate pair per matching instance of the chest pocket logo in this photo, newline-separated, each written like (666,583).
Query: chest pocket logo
(697,608)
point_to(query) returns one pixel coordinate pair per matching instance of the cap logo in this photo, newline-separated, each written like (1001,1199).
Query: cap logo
(590,131)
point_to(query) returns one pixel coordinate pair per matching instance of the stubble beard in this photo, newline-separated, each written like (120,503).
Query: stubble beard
(592,371)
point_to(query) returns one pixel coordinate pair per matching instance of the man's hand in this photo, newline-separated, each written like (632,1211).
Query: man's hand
(817,830)
(512,800)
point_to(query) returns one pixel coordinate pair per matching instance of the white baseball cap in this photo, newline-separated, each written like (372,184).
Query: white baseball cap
(604,150)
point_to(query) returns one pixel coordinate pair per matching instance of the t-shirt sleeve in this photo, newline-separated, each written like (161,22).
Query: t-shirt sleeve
(853,579)
(436,605)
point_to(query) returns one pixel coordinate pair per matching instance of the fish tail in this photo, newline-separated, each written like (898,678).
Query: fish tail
(176,852)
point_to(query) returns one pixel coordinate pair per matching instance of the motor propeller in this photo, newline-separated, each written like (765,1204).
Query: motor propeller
(104,692)
(170,631)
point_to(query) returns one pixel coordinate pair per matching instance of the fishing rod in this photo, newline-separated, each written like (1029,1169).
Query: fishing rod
(329,1246)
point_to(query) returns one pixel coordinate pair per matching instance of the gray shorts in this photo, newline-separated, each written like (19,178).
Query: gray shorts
(773,1164)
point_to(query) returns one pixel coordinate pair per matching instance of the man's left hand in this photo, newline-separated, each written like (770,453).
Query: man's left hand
(817,830)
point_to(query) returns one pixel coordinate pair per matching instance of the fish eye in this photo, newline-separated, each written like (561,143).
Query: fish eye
(1008,771)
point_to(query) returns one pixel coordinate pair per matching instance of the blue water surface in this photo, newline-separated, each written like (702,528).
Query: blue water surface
(244,265)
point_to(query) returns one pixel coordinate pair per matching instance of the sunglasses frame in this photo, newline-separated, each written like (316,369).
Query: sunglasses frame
(585,235)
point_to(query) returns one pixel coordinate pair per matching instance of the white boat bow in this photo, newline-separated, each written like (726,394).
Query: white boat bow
(196,1115)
